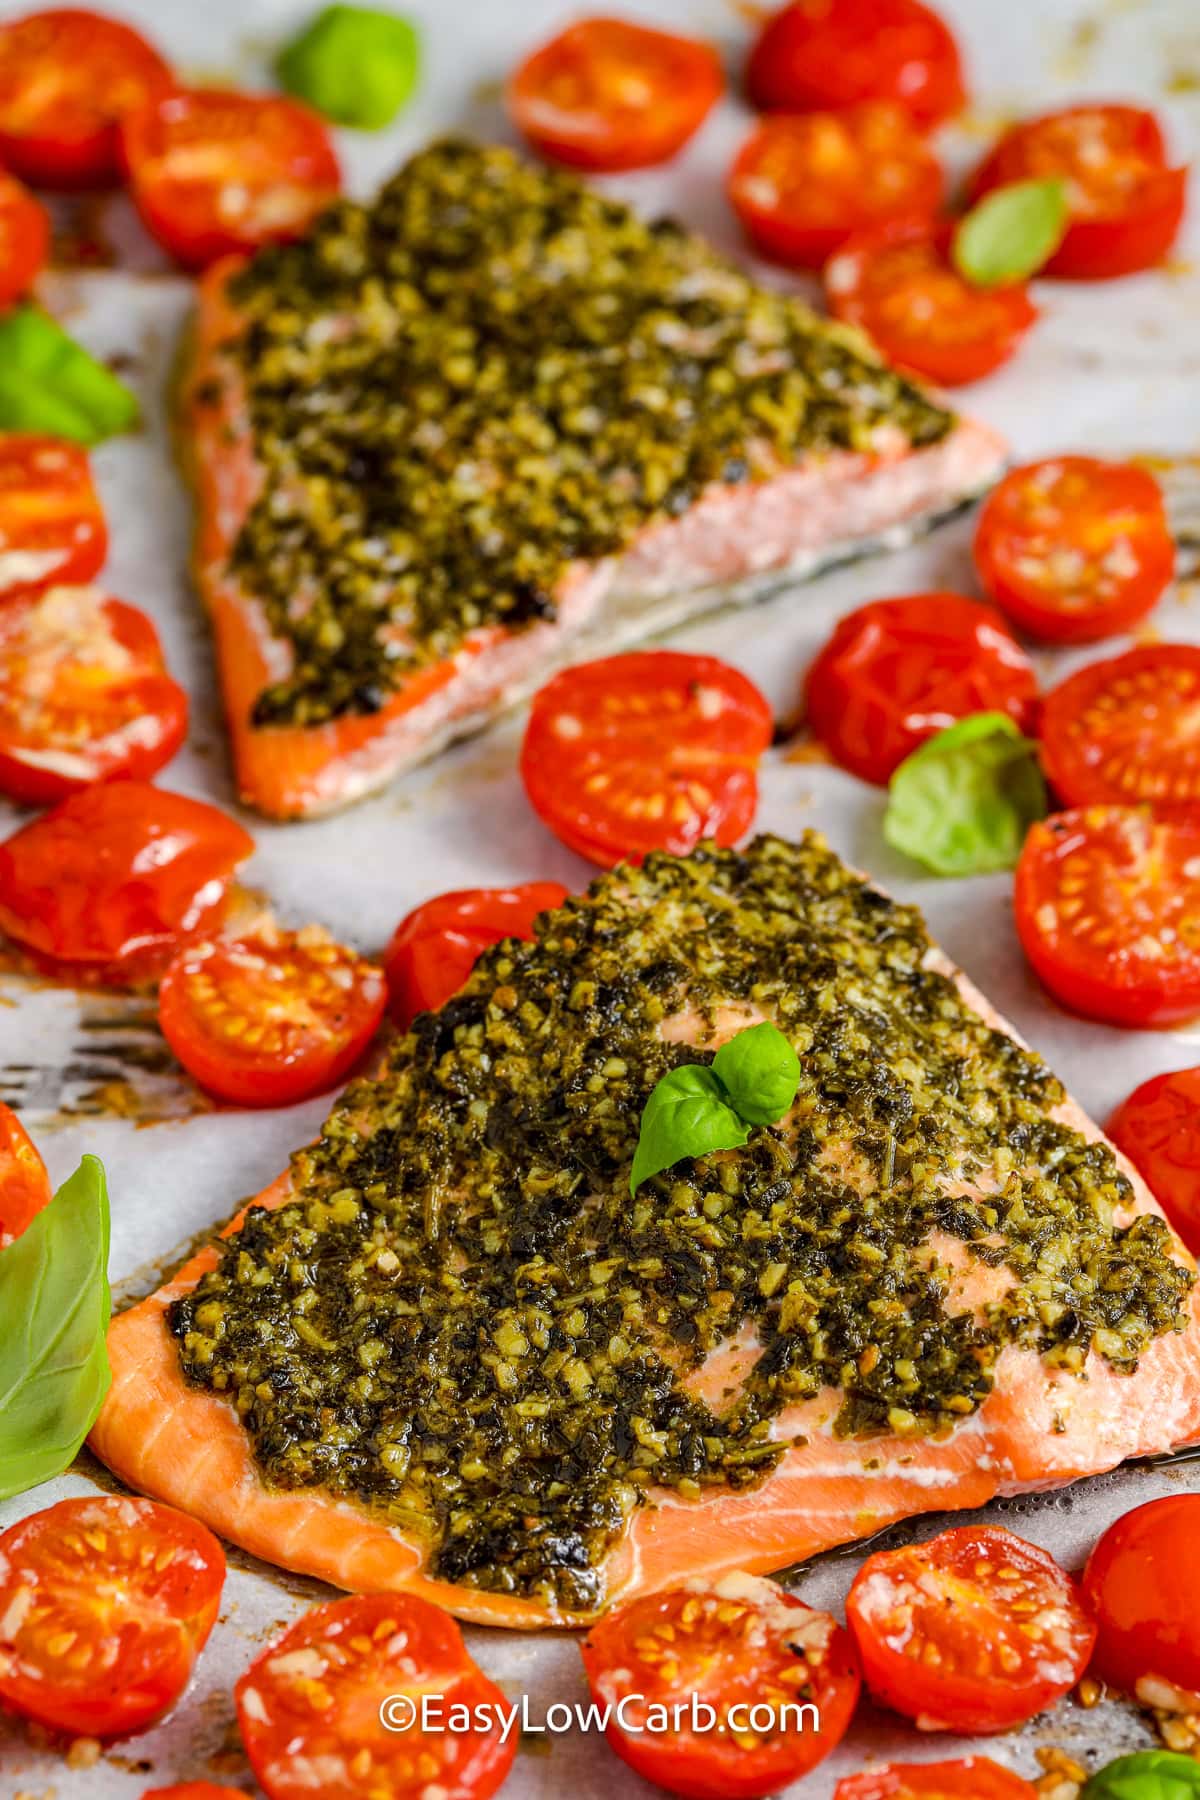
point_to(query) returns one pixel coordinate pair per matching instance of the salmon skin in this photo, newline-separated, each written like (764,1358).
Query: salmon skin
(449,1353)
(384,573)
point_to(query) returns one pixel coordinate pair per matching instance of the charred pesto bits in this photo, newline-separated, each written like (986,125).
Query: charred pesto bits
(463,1319)
(487,373)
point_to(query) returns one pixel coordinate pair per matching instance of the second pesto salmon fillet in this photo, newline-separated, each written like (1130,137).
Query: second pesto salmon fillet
(448,1352)
(493,422)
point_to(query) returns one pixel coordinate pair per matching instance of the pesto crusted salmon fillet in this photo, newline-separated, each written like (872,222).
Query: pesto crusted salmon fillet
(494,422)
(447,1352)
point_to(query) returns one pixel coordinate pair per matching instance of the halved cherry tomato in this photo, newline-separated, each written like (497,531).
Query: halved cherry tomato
(1158,1128)
(1125,205)
(1127,730)
(610,94)
(1075,548)
(975,1778)
(974,1631)
(269,1019)
(895,672)
(215,173)
(746,1650)
(24,239)
(84,695)
(899,285)
(834,53)
(24,1183)
(435,947)
(111,880)
(802,184)
(195,1790)
(105,1604)
(1108,913)
(51,526)
(653,750)
(313,1699)
(67,78)
(1142,1583)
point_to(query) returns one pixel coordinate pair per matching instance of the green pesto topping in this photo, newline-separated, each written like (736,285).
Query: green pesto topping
(463,1319)
(489,372)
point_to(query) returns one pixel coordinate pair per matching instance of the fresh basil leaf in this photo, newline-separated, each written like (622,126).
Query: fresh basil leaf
(963,801)
(1012,232)
(686,1115)
(55,1307)
(49,383)
(355,64)
(760,1073)
(1147,1775)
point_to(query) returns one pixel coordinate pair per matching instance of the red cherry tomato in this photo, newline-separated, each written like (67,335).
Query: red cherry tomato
(215,173)
(610,94)
(434,948)
(1142,1582)
(801,185)
(1075,549)
(24,1183)
(1158,1128)
(67,78)
(105,1604)
(746,1650)
(654,750)
(1107,908)
(312,1700)
(51,526)
(834,53)
(895,672)
(269,1019)
(1125,204)
(194,1790)
(24,239)
(899,285)
(975,1631)
(1127,730)
(113,878)
(975,1778)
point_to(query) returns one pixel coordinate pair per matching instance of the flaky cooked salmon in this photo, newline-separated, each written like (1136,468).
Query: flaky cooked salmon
(449,1352)
(493,423)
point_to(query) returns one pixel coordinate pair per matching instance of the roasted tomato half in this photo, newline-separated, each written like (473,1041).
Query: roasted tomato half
(24,239)
(24,1183)
(434,948)
(818,54)
(1158,1128)
(1127,730)
(52,527)
(1142,1583)
(974,1778)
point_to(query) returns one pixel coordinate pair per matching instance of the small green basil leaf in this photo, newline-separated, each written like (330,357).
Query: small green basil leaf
(1147,1775)
(1012,232)
(55,1307)
(760,1073)
(963,801)
(686,1115)
(355,64)
(49,383)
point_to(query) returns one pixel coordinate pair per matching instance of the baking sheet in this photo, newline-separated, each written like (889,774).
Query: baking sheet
(1110,368)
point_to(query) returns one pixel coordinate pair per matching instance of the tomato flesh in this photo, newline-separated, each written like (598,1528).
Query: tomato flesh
(1142,1582)
(313,1699)
(67,78)
(1108,912)
(194,1790)
(895,672)
(746,1649)
(105,1605)
(269,1019)
(899,285)
(1074,548)
(24,239)
(216,173)
(435,947)
(52,528)
(1125,206)
(653,750)
(1158,1129)
(611,94)
(24,1183)
(974,1778)
(975,1631)
(836,53)
(1127,730)
(803,183)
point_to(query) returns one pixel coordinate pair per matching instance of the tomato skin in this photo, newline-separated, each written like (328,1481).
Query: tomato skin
(193,1790)
(572,98)
(50,513)
(135,1584)
(24,239)
(781,1651)
(24,1183)
(1131,877)
(1074,548)
(802,184)
(1158,1129)
(966,1597)
(974,1778)
(435,947)
(898,284)
(816,54)
(67,77)
(897,671)
(189,152)
(1122,731)
(1142,1582)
